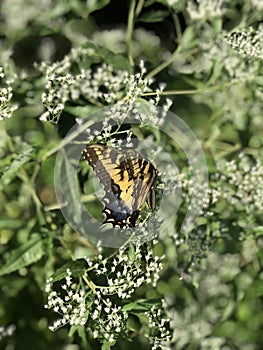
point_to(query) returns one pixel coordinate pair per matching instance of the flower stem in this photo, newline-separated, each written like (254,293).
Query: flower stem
(130,31)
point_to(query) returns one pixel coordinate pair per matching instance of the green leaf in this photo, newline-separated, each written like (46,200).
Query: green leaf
(81,331)
(227,329)
(56,11)
(258,231)
(12,170)
(216,73)
(154,16)
(107,345)
(189,38)
(81,111)
(77,269)
(94,5)
(255,290)
(10,224)
(72,188)
(86,7)
(151,2)
(141,305)
(115,60)
(133,323)
(131,253)
(28,253)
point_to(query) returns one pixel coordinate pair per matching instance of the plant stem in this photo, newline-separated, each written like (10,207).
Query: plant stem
(177,27)
(90,283)
(22,174)
(197,91)
(173,92)
(139,7)
(130,31)
(163,65)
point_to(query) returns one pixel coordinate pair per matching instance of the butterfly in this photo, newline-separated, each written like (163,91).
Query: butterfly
(127,178)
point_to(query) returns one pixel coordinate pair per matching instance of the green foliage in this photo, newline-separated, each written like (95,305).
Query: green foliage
(25,255)
(61,62)
(11,172)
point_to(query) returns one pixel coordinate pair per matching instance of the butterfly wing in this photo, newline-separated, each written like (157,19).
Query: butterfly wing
(142,175)
(106,163)
(126,177)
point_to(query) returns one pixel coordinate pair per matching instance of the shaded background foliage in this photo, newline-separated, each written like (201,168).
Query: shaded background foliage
(215,303)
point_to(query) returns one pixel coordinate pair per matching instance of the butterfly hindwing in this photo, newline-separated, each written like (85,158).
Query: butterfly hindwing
(127,179)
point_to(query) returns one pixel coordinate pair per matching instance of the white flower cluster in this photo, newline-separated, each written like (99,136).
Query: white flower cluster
(144,42)
(248,43)
(7,331)
(198,244)
(109,320)
(257,4)
(160,322)
(194,324)
(238,75)
(63,86)
(197,194)
(99,87)
(6,93)
(17,13)
(99,307)
(204,9)
(126,273)
(106,319)
(241,184)
(71,305)
(136,85)
(189,327)
(237,186)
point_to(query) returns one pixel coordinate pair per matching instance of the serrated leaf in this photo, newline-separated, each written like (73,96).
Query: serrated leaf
(154,16)
(11,172)
(27,254)
(77,269)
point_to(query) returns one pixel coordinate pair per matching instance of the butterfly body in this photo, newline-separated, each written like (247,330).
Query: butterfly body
(127,178)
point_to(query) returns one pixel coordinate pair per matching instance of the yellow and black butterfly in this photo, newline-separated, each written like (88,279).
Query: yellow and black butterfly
(127,179)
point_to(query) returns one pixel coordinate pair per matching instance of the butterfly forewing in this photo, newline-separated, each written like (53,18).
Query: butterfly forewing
(127,179)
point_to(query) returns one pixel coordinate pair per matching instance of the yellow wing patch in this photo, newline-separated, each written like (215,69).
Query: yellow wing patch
(127,179)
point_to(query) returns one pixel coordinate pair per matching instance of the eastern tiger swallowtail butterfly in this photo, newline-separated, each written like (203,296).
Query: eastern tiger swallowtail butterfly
(127,179)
